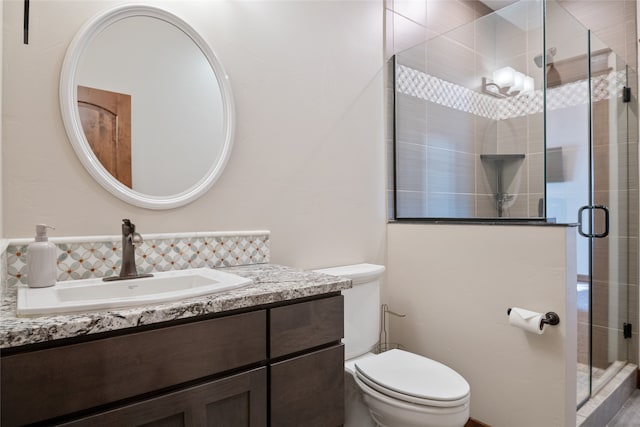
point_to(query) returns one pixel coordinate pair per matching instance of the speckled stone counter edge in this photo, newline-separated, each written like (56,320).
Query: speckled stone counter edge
(270,283)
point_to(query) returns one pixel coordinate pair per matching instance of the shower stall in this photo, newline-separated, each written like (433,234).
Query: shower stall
(523,115)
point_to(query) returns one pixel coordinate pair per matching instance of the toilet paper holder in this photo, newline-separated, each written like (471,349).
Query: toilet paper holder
(550,318)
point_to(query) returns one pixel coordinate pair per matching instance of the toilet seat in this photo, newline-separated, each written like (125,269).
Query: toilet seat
(389,412)
(365,382)
(413,379)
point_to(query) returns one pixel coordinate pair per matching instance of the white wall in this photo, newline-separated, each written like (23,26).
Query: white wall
(455,283)
(1,117)
(308,160)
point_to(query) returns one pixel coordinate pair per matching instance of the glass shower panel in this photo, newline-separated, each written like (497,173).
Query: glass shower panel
(410,154)
(592,171)
(612,179)
(568,148)
(468,121)
(513,186)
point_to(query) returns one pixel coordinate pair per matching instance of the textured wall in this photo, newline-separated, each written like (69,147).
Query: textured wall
(455,283)
(308,158)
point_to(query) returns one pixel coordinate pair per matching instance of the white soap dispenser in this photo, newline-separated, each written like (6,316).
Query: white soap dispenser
(42,268)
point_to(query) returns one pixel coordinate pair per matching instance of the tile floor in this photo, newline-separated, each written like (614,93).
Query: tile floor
(629,414)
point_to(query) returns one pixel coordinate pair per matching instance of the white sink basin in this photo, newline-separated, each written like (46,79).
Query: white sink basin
(94,294)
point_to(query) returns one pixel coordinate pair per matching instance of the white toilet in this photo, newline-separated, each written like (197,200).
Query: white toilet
(398,388)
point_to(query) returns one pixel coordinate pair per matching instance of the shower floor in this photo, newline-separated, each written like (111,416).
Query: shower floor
(600,378)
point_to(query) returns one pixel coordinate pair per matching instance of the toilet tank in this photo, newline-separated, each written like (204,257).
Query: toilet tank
(361,306)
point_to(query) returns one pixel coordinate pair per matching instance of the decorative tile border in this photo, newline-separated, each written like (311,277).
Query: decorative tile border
(522,105)
(84,258)
(424,86)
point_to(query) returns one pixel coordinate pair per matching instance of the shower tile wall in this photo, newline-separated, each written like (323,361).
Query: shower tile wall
(442,141)
(444,123)
(407,24)
(437,116)
(514,40)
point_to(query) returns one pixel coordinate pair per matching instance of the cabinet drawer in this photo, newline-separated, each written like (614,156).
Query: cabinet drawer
(301,326)
(47,383)
(308,390)
(238,401)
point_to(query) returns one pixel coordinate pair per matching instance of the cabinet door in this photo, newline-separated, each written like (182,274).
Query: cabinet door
(309,390)
(237,401)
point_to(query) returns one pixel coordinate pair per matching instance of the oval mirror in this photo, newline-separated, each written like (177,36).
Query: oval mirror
(147,106)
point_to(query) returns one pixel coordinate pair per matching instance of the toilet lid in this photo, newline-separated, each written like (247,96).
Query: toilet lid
(414,376)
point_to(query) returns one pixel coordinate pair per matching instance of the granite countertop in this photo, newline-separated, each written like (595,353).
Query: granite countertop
(271,283)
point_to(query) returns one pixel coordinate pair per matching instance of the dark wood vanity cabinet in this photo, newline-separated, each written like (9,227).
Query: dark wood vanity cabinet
(279,365)
(307,387)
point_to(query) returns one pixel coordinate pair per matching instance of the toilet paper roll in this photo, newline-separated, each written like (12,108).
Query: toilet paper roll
(527,320)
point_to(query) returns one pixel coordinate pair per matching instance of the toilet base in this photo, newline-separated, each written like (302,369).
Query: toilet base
(388,412)
(356,413)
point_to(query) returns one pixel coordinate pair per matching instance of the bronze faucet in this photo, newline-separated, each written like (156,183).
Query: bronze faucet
(130,239)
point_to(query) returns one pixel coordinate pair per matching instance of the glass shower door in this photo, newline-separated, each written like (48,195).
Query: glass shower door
(568,156)
(613,169)
(589,175)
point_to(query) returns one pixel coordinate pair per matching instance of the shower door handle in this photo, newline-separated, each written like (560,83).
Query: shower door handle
(604,209)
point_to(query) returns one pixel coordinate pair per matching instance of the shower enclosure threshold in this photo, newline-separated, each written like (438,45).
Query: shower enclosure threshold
(608,375)
(611,395)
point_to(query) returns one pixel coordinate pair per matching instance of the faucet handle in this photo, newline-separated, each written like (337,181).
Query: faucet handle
(136,239)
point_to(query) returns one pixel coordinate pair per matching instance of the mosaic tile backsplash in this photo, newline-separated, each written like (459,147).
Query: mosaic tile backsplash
(102,257)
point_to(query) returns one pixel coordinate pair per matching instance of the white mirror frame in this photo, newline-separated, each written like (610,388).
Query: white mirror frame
(71,115)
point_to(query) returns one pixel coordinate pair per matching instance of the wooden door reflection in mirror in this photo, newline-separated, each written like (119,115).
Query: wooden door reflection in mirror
(106,121)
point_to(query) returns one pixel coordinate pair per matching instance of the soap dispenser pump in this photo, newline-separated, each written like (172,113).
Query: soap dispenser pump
(41,260)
